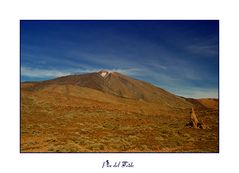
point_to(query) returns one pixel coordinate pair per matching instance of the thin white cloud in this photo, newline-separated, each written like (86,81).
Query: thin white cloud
(42,73)
(203,49)
(51,73)
(195,92)
(129,71)
(206,47)
(153,65)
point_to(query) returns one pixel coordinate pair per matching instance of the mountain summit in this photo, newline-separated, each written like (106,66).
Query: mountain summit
(104,73)
(119,85)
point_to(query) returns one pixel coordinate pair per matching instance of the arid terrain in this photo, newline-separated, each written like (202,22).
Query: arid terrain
(110,112)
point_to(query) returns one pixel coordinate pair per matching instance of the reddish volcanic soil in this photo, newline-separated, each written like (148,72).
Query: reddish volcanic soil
(110,112)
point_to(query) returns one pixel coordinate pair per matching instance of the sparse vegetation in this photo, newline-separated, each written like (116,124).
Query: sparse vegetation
(52,121)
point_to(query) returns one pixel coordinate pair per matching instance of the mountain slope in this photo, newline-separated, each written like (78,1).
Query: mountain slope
(119,85)
(205,103)
(110,112)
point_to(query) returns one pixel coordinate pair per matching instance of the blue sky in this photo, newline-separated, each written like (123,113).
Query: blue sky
(179,56)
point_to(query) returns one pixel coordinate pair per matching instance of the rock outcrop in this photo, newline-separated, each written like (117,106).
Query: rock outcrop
(194,122)
(194,119)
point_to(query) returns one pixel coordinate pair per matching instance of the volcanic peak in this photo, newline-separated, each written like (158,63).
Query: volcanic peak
(104,73)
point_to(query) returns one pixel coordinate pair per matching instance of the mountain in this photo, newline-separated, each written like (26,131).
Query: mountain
(116,84)
(109,112)
(204,103)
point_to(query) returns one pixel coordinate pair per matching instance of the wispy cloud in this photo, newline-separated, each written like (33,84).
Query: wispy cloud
(203,49)
(157,52)
(206,47)
(51,73)
(129,71)
(154,65)
(42,73)
(196,92)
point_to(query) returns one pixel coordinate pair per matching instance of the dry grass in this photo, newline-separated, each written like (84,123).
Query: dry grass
(53,123)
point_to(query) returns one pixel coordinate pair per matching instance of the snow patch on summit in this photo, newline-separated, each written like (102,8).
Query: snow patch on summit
(104,73)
